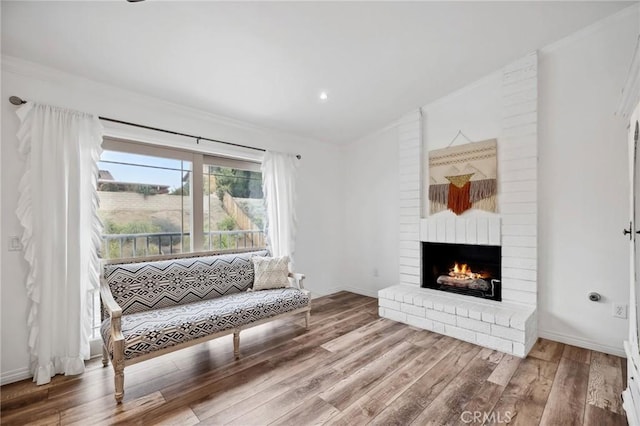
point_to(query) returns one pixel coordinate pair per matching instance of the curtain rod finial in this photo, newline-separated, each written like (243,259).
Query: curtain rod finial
(16,100)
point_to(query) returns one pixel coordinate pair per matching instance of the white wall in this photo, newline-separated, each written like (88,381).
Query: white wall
(371,213)
(476,110)
(583,184)
(582,188)
(320,215)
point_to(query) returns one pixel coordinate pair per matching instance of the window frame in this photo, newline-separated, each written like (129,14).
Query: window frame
(198,160)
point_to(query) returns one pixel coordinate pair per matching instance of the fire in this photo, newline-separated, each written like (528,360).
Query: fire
(463,272)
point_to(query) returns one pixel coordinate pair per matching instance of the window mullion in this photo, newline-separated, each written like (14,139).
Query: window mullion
(197,207)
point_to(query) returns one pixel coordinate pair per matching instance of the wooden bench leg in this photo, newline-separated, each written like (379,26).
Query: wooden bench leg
(307,318)
(118,369)
(236,344)
(119,383)
(105,356)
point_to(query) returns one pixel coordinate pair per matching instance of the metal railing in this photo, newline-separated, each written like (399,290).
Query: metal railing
(160,243)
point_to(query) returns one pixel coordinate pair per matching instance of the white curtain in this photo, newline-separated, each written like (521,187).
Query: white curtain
(279,187)
(61,234)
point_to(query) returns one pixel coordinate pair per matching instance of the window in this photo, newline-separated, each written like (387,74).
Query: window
(143,208)
(233,208)
(148,205)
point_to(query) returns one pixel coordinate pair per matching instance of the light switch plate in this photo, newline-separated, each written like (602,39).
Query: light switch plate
(15,244)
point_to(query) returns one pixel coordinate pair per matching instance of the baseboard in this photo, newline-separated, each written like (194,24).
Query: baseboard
(15,376)
(325,291)
(587,344)
(328,291)
(363,291)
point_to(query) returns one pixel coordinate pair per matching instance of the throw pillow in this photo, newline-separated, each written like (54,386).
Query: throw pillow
(270,272)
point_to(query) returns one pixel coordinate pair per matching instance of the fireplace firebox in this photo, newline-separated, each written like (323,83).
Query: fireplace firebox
(471,270)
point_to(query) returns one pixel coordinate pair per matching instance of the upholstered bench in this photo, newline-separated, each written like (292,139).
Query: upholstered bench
(154,306)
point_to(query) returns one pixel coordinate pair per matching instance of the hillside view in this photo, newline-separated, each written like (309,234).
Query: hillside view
(147,219)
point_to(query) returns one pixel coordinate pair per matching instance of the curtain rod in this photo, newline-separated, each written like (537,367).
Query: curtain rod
(15,100)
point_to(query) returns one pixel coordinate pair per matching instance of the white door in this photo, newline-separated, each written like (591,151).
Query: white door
(631,396)
(634,147)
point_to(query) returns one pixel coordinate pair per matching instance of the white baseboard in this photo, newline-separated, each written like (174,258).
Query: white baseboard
(363,291)
(582,343)
(14,376)
(329,291)
(315,293)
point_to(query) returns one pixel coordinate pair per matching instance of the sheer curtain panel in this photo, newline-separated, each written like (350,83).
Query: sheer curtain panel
(279,187)
(57,209)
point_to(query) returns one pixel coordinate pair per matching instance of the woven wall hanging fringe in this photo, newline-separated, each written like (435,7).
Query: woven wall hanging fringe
(439,193)
(481,189)
(464,177)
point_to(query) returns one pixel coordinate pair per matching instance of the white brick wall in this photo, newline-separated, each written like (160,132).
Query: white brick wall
(474,325)
(503,326)
(510,326)
(517,181)
(410,147)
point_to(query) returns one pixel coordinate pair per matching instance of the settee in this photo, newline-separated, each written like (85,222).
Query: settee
(153,306)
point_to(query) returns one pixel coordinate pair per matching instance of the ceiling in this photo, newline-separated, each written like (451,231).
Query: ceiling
(267,62)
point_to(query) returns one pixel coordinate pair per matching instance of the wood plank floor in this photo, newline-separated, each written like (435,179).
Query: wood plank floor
(350,368)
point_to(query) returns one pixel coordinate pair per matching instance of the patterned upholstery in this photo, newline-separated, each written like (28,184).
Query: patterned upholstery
(144,286)
(149,331)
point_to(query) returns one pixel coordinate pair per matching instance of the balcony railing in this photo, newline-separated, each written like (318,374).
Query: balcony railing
(159,243)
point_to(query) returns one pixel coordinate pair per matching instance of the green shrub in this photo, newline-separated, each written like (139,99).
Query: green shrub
(227,224)
(220,191)
(165,225)
(135,227)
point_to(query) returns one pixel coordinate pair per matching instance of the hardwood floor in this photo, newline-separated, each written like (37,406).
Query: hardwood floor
(350,368)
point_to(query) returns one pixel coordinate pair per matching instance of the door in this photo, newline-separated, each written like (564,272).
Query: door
(631,396)
(633,232)
(634,131)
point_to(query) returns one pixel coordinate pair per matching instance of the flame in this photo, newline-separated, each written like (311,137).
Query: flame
(463,272)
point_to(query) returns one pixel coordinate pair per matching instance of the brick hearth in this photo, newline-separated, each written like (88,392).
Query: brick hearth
(503,326)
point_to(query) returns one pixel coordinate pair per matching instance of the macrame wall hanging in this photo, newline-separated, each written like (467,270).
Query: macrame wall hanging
(464,177)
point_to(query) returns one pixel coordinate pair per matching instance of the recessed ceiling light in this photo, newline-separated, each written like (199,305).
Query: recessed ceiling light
(323,96)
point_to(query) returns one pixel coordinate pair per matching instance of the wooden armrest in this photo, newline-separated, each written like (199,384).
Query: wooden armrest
(298,278)
(114,310)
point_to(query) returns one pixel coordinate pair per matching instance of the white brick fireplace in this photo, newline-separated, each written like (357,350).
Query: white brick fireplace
(510,325)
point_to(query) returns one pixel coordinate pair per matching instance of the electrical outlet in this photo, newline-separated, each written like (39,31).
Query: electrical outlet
(620,310)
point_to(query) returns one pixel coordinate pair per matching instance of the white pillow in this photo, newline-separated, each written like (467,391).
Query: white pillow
(270,272)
